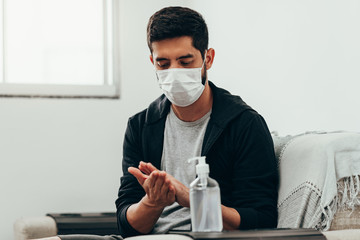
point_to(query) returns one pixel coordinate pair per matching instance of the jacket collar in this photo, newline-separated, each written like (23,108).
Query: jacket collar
(225,107)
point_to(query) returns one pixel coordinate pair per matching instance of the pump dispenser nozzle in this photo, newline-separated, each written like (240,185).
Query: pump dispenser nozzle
(202,167)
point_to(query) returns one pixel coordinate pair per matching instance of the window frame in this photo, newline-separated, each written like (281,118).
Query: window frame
(111,57)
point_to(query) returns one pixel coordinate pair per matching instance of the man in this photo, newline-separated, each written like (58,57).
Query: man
(193,118)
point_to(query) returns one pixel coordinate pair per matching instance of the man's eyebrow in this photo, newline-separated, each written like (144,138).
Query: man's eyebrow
(161,59)
(186,56)
(158,59)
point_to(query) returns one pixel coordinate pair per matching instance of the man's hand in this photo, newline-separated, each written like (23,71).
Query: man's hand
(231,218)
(159,194)
(182,192)
(159,190)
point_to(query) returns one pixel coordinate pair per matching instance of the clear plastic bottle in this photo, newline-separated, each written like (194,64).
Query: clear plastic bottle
(205,204)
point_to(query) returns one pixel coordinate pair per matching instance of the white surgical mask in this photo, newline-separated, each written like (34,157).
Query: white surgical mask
(182,86)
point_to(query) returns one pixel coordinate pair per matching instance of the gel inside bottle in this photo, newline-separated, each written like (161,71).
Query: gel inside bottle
(205,204)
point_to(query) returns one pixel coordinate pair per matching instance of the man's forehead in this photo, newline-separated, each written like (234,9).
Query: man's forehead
(174,48)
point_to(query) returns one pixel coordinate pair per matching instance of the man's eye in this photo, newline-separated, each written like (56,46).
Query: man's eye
(185,63)
(163,65)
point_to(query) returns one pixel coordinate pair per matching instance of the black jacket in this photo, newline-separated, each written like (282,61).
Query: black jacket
(238,148)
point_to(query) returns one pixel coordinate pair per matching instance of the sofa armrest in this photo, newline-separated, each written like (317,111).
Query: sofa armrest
(34,227)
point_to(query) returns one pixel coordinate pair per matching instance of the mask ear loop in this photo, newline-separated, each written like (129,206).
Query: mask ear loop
(204,60)
(203,82)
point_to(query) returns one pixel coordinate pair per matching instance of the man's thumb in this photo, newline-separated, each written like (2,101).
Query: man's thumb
(138,174)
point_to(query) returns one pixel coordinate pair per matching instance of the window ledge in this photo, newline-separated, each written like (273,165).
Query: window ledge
(58,91)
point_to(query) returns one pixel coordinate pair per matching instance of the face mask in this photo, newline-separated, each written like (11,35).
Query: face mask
(182,86)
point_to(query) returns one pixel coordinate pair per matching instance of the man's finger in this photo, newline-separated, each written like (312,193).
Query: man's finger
(153,178)
(165,186)
(151,167)
(143,168)
(147,168)
(138,174)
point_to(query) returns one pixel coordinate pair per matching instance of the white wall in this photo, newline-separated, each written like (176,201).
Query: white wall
(296,62)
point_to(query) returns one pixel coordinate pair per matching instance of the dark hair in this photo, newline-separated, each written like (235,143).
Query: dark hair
(171,22)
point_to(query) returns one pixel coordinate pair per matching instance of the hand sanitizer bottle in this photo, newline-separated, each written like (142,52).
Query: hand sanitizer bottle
(205,205)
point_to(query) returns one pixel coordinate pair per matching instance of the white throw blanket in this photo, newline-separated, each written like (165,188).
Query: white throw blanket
(310,166)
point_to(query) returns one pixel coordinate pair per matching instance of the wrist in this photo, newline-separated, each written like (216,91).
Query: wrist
(183,197)
(146,202)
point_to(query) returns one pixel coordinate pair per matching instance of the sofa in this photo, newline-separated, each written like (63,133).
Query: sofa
(319,187)
(319,182)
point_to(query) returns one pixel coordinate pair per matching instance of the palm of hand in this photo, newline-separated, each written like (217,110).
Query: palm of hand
(158,188)
(182,192)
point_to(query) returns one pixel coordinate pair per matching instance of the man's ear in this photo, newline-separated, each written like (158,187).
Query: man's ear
(152,59)
(209,58)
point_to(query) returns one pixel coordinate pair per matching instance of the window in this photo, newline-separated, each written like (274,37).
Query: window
(59,48)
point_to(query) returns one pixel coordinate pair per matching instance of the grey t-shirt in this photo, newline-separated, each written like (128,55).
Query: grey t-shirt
(182,140)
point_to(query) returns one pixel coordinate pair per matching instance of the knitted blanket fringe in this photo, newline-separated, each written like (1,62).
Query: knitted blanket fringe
(347,199)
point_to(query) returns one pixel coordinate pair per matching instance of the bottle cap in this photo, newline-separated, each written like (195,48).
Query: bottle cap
(202,166)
